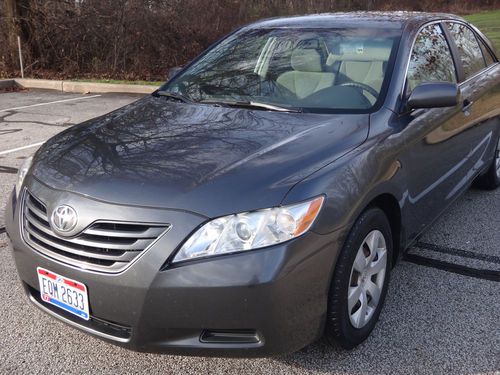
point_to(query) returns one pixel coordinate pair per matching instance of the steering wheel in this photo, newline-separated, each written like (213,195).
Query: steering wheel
(363,87)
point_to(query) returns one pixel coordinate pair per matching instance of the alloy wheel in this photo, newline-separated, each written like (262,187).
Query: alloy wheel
(367,279)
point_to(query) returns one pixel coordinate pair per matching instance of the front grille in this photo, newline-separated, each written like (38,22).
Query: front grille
(103,246)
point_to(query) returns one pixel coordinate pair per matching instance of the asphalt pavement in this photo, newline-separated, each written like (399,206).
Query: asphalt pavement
(442,313)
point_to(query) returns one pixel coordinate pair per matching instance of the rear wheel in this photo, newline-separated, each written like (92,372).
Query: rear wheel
(360,281)
(491,179)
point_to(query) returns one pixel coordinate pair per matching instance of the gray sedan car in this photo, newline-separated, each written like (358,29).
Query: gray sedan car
(259,199)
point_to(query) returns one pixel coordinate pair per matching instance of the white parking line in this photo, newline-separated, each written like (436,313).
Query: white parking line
(55,102)
(21,148)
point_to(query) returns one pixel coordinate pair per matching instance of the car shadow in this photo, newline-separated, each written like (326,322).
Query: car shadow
(428,325)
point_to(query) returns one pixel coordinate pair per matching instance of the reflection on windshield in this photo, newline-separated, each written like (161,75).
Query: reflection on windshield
(302,69)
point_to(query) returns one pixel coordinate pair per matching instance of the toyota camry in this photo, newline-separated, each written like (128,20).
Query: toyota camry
(259,199)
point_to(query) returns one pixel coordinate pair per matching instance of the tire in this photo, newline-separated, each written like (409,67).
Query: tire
(491,179)
(345,327)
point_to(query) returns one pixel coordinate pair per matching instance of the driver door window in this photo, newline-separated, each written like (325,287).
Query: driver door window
(431,59)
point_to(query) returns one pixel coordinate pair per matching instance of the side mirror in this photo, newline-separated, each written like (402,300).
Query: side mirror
(434,95)
(173,71)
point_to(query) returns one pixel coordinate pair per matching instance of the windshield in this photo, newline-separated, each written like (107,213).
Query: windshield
(314,70)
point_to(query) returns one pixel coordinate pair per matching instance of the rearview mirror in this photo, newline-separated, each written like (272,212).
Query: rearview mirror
(173,71)
(434,95)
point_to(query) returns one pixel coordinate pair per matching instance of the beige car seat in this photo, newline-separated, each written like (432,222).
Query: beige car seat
(307,76)
(364,64)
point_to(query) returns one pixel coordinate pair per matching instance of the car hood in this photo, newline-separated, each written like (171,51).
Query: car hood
(201,158)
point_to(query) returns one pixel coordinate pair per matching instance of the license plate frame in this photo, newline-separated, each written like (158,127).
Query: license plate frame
(65,293)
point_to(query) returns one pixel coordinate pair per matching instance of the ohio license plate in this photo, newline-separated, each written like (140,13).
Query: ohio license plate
(69,295)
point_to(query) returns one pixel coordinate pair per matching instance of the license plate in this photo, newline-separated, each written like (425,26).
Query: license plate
(69,295)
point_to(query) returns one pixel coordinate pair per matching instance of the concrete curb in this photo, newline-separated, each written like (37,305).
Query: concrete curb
(86,87)
(81,87)
(39,84)
(6,83)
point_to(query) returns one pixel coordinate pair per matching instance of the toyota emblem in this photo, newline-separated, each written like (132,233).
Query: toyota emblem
(64,218)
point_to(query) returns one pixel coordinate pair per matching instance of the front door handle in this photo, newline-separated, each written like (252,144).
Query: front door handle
(467,106)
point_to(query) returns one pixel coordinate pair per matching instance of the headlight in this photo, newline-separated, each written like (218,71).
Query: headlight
(250,230)
(21,174)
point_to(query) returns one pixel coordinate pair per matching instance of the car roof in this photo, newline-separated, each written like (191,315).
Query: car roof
(386,20)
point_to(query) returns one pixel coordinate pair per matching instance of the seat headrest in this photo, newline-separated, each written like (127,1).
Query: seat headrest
(306,60)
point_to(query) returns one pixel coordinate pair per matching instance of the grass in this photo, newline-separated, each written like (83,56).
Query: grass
(121,81)
(489,23)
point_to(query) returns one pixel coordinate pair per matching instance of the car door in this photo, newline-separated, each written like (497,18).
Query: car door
(480,88)
(443,147)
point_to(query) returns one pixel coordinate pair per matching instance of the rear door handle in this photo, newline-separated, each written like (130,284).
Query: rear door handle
(467,106)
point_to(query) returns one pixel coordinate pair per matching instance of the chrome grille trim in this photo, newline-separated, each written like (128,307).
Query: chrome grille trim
(104,246)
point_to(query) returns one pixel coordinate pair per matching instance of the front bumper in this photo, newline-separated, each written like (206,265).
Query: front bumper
(259,303)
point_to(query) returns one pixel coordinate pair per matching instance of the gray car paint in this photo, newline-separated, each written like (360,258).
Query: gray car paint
(188,152)
(412,164)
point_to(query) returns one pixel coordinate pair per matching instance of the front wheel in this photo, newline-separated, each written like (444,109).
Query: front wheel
(360,280)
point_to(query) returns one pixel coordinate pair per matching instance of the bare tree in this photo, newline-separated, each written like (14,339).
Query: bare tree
(142,39)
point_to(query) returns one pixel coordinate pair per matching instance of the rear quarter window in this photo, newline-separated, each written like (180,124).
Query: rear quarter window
(488,57)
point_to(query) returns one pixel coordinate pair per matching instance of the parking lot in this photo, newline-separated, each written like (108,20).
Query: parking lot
(442,314)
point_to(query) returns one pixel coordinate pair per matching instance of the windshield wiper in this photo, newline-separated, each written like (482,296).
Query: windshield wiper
(237,103)
(173,95)
(251,104)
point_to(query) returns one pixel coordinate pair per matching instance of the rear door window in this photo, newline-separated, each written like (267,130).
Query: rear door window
(468,48)
(431,59)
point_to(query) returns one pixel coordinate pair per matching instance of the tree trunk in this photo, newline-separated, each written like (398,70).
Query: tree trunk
(11,14)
